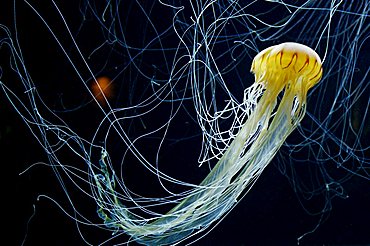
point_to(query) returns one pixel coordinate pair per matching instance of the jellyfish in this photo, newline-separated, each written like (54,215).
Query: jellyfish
(166,148)
(102,89)
(288,68)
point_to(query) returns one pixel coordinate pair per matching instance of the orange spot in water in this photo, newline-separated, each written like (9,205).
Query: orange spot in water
(102,87)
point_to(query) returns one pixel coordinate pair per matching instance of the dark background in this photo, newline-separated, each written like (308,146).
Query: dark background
(269,215)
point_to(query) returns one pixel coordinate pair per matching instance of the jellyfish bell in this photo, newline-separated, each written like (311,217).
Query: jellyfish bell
(291,66)
(284,63)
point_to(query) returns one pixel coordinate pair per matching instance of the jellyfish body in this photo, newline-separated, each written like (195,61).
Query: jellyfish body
(288,68)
